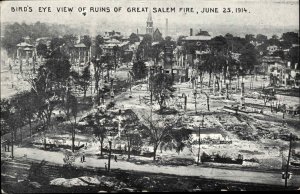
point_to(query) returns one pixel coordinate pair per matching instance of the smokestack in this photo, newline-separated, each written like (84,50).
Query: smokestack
(191,31)
(167,27)
(137,31)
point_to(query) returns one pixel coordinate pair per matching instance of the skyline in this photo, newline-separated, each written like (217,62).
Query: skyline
(264,16)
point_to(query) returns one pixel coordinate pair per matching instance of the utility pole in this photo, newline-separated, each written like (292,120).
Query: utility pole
(150,87)
(12,144)
(109,156)
(195,95)
(198,161)
(288,162)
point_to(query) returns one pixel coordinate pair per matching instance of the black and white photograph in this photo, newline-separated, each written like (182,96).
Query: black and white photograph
(109,96)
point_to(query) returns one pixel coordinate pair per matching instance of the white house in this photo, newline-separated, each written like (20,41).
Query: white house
(272,48)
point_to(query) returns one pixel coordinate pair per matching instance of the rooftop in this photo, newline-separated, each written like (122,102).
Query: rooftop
(80,45)
(197,38)
(24,44)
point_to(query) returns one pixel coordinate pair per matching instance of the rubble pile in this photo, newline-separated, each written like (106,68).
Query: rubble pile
(104,182)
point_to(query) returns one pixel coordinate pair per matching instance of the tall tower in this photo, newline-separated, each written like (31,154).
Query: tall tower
(149,28)
(167,27)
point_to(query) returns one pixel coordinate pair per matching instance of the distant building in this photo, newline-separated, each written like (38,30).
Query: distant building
(208,134)
(266,62)
(199,37)
(149,27)
(157,36)
(43,40)
(272,48)
(113,34)
(108,46)
(294,77)
(80,53)
(25,50)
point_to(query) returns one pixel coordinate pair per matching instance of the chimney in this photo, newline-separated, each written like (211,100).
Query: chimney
(191,31)
(137,31)
(167,27)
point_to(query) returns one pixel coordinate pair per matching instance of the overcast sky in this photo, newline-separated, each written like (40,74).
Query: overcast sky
(277,13)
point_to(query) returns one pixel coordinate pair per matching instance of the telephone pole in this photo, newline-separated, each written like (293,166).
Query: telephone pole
(288,162)
(109,156)
(198,161)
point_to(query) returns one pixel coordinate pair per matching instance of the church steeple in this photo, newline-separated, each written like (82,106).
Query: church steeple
(149,20)
(149,27)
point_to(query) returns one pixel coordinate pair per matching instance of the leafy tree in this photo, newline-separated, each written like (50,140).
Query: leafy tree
(84,80)
(290,38)
(248,58)
(219,51)
(56,43)
(116,51)
(261,38)
(134,38)
(273,41)
(208,65)
(51,83)
(139,70)
(58,66)
(279,53)
(71,107)
(98,125)
(41,50)
(177,139)
(249,37)
(13,35)
(156,52)
(190,47)
(70,39)
(98,41)
(161,88)
(11,117)
(44,95)
(99,66)
(87,41)
(180,40)
(218,43)
(25,103)
(293,56)
(144,49)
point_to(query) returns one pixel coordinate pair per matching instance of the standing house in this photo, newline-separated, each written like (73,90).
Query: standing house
(180,67)
(295,76)
(272,48)
(190,58)
(25,50)
(81,53)
(108,46)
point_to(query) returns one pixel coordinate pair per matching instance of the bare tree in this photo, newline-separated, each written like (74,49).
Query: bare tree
(71,109)
(268,95)
(158,130)
(131,132)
